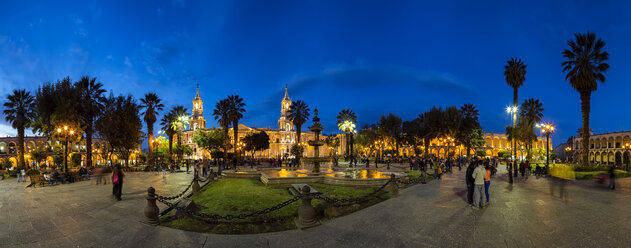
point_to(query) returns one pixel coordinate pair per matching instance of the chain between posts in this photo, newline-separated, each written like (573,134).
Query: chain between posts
(351,201)
(214,218)
(166,198)
(210,217)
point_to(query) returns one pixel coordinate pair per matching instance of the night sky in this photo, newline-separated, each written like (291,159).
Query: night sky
(373,57)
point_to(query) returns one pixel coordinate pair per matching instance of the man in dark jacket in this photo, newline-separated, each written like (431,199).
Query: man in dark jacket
(469,180)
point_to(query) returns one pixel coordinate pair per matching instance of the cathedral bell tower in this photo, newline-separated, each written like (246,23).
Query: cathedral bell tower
(284,124)
(198,121)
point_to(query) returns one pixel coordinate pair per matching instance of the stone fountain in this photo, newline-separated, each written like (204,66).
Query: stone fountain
(316,143)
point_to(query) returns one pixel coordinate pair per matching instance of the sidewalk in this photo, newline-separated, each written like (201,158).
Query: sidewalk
(433,215)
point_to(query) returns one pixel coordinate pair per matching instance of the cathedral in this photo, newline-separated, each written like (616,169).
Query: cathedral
(281,139)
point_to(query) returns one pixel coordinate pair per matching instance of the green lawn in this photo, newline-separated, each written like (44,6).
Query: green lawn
(241,196)
(415,174)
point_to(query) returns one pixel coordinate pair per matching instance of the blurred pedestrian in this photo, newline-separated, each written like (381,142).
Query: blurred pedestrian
(117,180)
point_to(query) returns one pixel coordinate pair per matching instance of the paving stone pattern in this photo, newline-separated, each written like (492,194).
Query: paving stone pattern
(524,214)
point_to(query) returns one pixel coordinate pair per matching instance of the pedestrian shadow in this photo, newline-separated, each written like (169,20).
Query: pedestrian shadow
(462,193)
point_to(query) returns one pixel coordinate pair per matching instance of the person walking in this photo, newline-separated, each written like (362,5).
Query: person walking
(469,180)
(117,180)
(487,183)
(612,178)
(478,186)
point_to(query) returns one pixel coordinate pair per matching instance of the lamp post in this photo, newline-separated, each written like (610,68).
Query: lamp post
(567,153)
(626,148)
(65,133)
(513,112)
(547,129)
(380,144)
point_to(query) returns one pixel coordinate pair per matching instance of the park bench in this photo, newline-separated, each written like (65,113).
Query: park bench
(35,179)
(2,172)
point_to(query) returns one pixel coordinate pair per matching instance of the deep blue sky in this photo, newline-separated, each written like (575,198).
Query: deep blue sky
(374,57)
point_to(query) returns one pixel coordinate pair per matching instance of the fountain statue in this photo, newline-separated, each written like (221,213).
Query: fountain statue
(316,143)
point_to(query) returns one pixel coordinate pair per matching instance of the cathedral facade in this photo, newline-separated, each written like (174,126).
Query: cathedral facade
(281,139)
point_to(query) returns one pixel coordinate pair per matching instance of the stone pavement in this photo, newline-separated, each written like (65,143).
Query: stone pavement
(524,214)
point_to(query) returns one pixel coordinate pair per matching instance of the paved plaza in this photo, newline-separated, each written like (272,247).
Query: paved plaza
(524,214)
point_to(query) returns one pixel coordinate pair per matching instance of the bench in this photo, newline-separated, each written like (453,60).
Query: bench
(35,179)
(2,172)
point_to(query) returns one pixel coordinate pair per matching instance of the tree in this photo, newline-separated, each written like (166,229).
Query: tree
(390,126)
(585,65)
(168,129)
(261,141)
(346,121)
(432,126)
(470,133)
(515,73)
(332,142)
(222,115)
(451,123)
(366,137)
(58,155)
(236,108)
(19,111)
(39,155)
(179,122)
(256,142)
(45,106)
(412,133)
(91,105)
(210,140)
(120,125)
(298,115)
(7,163)
(152,105)
(530,112)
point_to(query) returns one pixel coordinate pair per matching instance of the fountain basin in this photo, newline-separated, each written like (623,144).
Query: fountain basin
(369,178)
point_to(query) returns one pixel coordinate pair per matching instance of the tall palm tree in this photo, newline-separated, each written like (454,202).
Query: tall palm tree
(298,115)
(530,112)
(585,66)
(222,115)
(19,111)
(151,104)
(168,129)
(515,73)
(346,121)
(236,109)
(91,106)
(180,120)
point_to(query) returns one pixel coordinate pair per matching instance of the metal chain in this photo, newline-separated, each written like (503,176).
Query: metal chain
(349,201)
(159,197)
(215,217)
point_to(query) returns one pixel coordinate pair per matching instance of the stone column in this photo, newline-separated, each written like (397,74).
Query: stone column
(151,209)
(307,216)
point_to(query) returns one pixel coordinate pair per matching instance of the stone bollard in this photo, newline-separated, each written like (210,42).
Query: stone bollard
(306,213)
(392,187)
(152,210)
(196,188)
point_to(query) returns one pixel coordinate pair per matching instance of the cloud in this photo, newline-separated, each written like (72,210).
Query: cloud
(127,62)
(7,130)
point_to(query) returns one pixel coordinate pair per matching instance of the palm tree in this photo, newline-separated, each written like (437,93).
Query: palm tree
(515,73)
(19,111)
(298,115)
(151,104)
(168,129)
(222,115)
(469,112)
(531,112)
(469,115)
(236,109)
(346,121)
(91,106)
(585,66)
(180,120)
